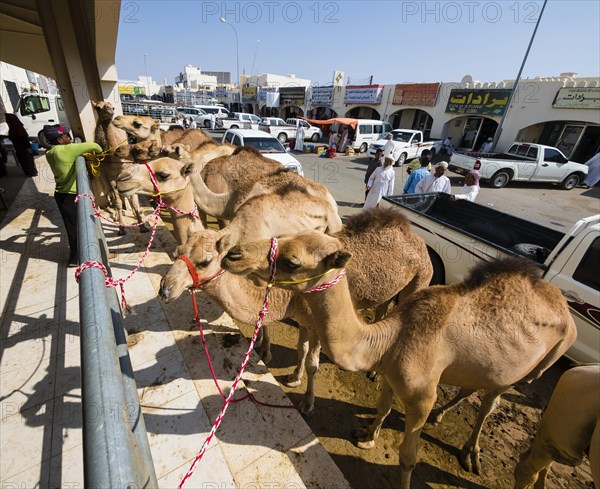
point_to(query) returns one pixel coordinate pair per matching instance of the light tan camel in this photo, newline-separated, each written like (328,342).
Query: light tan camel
(318,210)
(141,127)
(182,199)
(475,334)
(111,138)
(373,282)
(569,427)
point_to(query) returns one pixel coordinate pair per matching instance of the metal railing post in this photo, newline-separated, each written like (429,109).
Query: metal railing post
(116,453)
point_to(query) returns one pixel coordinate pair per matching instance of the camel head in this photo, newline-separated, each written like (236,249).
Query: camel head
(300,257)
(141,127)
(105,110)
(201,248)
(171,176)
(146,150)
(177,151)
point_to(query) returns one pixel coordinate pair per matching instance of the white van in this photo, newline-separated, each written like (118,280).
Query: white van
(204,120)
(35,110)
(367,131)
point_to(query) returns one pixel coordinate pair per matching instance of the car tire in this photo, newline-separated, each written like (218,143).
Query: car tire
(282,137)
(207,124)
(570,182)
(401,160)
(363,148)
(534,252)
(234,126)
(499,179)
(315,138)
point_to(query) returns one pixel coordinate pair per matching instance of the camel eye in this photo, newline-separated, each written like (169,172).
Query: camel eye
(288,265)
(162,176)
(137,124)
(202,264)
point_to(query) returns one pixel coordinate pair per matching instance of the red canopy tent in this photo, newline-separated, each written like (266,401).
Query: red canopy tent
(342,120)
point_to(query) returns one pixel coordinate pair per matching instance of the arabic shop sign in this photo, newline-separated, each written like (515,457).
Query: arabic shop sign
(577,98)
(321,96)
(420,94)
(491,101)
(292,94)
(221,92)
(249,94)
(363,94)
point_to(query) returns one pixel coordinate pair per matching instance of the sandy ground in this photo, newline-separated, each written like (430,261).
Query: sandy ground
(345,401)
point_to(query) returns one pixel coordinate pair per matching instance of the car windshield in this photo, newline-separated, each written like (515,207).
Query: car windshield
(403,137)
(265,145)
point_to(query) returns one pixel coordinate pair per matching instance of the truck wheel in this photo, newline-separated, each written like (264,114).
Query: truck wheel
(315,137)
(207,124)
(234,126)
(282,138)
(400,161)
(534,252)
(439,272)
(570,182)
(363,148)
(500,179)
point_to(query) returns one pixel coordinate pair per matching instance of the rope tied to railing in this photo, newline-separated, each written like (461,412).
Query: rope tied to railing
(94,159)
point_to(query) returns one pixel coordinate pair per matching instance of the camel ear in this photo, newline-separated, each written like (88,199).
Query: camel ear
(179,250)
(156,125)
(338,259)
(224,243)
(94,104)
(188,168)
(187,147)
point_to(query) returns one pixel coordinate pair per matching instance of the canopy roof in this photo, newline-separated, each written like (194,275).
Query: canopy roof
(342,120)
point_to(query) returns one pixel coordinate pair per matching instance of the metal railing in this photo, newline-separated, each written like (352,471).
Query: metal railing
(115,443)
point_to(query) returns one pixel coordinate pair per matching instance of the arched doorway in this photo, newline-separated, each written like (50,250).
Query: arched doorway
(363,113)
(579,141)
(469,132)
(291,111)
(412,119)
(248,109)
(322,113)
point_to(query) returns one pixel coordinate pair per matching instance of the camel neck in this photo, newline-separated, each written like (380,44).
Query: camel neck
(183,223)
(345,337)
(213,204)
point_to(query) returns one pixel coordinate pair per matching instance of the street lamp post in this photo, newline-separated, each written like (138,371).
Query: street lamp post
(237,47)
(147,82)
(254,60)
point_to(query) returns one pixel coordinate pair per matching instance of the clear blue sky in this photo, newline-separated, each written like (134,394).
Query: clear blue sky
(409,41)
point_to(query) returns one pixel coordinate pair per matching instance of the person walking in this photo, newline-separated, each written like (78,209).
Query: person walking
(375,163)
(470,189)
(438,182)
(20,140)
(193,124)
(381,183)
(416,175)
(389,148)
(299,145)
(213,121)
(61,158)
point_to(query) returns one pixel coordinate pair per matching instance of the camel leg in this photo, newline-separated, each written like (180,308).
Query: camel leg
(295,378)
(435,417)
(416,411)
(265,345)
(134,202)
(118,205)
(469,455)
(307,405)
(532,468)
(367,436)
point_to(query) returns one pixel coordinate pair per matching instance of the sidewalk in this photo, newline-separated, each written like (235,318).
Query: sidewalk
(40,395)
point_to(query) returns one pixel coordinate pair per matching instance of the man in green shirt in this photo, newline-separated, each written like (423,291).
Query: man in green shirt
(61,158)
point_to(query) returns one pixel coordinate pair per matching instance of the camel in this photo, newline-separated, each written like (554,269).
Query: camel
(568,428)
(110,137)
(369,234)
(476,334)
(173,175)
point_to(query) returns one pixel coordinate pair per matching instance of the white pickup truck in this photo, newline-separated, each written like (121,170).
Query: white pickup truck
(238,120)
(284,131)
(459,234)
(408,144)
(523,162)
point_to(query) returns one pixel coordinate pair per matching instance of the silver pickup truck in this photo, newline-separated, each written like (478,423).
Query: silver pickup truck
(284,131)
(460,234)
(523,162)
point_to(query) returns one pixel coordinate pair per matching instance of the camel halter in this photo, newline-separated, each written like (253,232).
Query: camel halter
(197,281)
(94,159)
(261,317)
(193,213)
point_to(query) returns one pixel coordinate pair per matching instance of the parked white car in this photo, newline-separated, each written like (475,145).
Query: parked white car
(239,120)
(285,130)
(269,146)
(408,145)
(204,120)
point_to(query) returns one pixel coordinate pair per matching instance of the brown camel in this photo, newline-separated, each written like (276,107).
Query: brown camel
(369,234)
(569,427)
(111,138)
(173,175)
(475,334)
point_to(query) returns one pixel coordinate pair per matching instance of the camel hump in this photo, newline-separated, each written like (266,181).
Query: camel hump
(247,150)
(371,220)
(487,271)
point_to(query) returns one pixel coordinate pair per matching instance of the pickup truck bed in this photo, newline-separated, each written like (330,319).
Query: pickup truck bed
(495,228)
